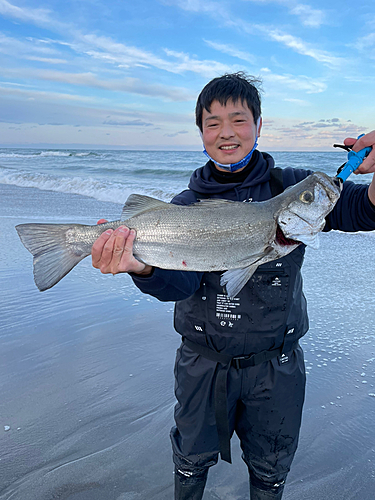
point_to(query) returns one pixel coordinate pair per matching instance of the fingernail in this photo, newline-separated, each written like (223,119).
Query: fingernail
(132,232)
(122,229)
(109,231)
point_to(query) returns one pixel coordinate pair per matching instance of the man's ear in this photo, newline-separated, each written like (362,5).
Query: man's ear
(259,125)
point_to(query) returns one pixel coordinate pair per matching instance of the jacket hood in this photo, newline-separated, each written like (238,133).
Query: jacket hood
(203,181)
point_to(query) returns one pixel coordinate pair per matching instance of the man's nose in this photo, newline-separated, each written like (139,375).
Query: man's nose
(227,130)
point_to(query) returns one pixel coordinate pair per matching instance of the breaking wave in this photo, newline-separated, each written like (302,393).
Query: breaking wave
(44,154)
(101,190)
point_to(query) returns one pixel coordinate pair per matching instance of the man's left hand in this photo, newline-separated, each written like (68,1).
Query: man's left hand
(368,140)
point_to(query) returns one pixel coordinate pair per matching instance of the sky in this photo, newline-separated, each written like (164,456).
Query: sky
(93,73)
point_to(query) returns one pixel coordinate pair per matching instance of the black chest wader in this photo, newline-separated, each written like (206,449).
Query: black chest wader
(263,322)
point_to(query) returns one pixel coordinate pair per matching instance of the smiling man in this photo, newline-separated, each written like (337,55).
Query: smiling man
(240,367)
(229,134)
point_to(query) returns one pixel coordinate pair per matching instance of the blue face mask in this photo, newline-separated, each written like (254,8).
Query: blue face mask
(232,167)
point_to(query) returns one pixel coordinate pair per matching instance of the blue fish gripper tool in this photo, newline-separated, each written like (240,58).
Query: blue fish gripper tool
(354,160)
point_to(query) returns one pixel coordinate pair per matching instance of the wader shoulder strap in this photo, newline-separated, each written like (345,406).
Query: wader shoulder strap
(220,390)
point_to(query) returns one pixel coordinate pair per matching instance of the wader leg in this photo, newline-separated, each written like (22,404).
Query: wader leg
(268,422)
(189,487)
(258,494)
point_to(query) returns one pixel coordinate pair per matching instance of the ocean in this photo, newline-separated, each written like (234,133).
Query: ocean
(86,368)
(113,175)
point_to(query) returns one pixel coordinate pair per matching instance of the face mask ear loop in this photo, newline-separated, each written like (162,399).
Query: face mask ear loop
(257,125)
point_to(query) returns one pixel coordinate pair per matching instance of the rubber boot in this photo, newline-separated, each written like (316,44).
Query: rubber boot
(188,489)
(258,494)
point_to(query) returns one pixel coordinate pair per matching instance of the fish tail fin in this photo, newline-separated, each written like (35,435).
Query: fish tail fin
(54,256)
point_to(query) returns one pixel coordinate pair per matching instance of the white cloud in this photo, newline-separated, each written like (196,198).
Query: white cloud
(302,47)
(366,42)
(35,15)
(299,102)
(131,85)
(216,9)
(128,56)
(25,48)
(104,48)
(206,68)
(35,95)
(127,123)
(304,83)
(47,60)
(39,17)
(175,134)
(308,15)
(232,51)
(49,110)
(296,134)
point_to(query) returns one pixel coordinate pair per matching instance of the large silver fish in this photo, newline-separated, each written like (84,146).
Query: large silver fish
(211,235)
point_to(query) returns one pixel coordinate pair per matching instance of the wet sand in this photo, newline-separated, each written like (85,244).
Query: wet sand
(86,375)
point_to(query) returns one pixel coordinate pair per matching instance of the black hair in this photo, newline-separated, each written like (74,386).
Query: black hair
(236,87)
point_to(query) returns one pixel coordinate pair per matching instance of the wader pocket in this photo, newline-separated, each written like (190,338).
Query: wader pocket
(267,299)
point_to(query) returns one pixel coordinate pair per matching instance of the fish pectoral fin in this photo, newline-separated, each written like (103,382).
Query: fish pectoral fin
(235,279)
(255,258)
(138,203)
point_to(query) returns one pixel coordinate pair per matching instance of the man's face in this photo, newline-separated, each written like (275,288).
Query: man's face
(229,131)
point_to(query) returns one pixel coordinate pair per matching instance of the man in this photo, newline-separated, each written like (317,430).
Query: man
(263,400)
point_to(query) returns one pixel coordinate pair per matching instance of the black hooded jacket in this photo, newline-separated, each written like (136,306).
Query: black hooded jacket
(272,306)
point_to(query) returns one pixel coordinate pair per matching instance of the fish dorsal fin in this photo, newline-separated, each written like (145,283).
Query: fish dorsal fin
(138,203)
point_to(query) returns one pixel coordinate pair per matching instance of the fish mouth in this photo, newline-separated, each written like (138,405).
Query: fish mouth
(282,240)
(331,185)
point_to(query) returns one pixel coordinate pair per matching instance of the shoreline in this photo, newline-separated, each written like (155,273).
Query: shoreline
(86,374)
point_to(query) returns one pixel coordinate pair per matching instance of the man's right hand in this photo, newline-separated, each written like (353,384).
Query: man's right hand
(112,252)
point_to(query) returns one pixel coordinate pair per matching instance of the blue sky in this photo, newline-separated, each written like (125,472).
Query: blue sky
(127,73)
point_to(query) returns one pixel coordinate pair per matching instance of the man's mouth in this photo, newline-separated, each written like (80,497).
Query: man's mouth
(229,148)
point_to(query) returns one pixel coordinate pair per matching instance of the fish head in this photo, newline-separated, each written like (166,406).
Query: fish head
(305,206)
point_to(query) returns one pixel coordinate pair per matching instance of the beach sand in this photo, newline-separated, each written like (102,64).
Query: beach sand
(86,375)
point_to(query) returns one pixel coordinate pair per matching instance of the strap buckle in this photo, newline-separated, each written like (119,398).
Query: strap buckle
(236,362)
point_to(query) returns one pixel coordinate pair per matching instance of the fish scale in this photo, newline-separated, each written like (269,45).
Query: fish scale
(230,225)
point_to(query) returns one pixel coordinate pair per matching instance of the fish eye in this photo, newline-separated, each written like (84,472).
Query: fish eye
(306,197)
